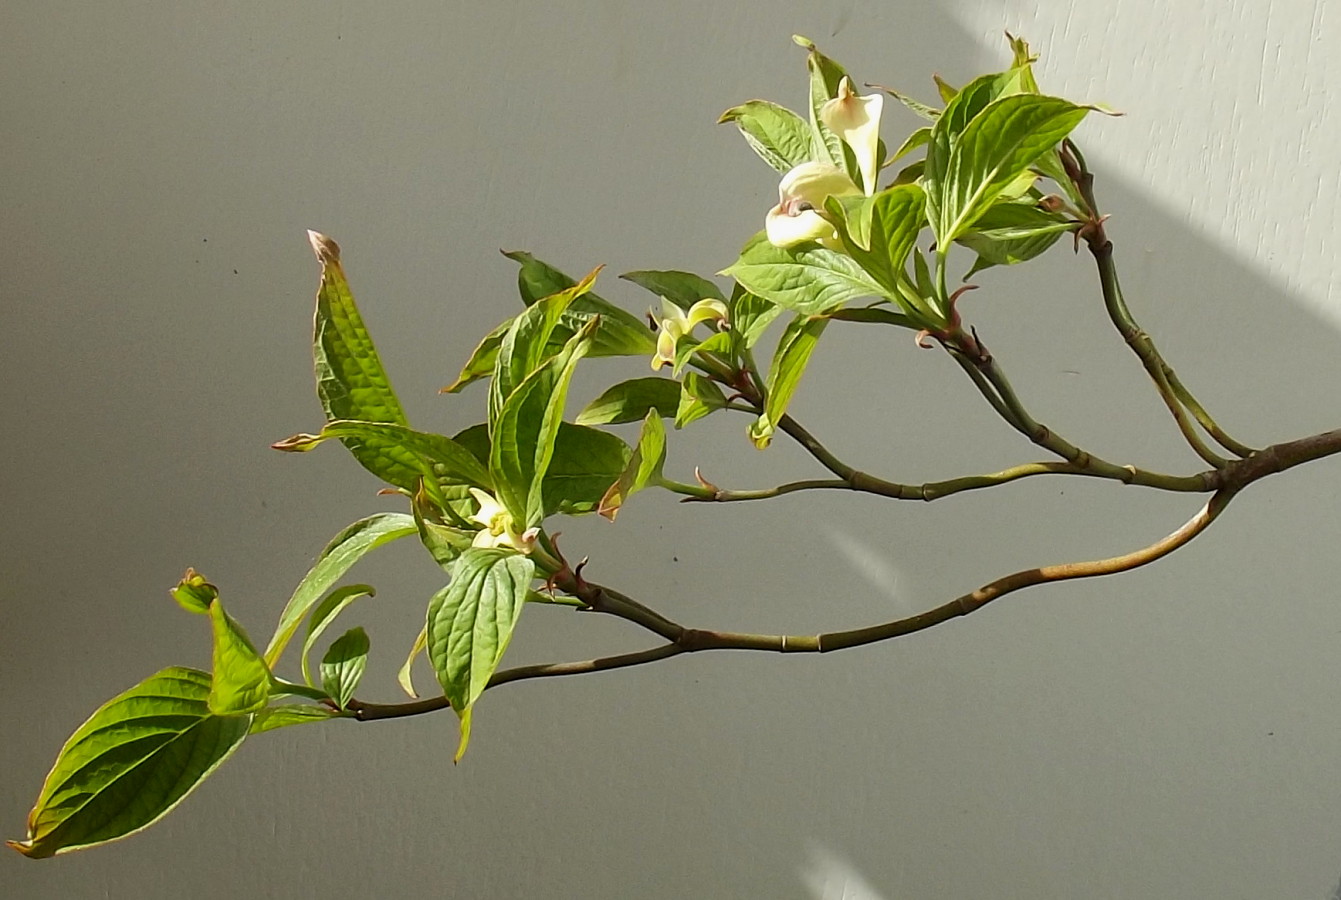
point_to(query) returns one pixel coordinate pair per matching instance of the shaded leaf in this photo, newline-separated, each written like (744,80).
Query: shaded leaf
(343,665)
(698,397)
(630,400)
(325,614)
(621,334)
(684,289)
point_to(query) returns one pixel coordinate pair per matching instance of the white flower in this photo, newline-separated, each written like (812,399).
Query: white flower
(676,323)
(498,530)
(856,120)
(801,194)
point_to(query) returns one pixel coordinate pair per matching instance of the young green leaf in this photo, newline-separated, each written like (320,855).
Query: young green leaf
(698,397)
(345,549)
(470,623)
(585,463)
(750,315)
(481,362)
(807,279)
(643,468)
(342,666)
(917,107)
(400,456)
(789,363)
(135,759)
(351,382)
(404,675)
(1010,233)
(896,217)
(241,681)
(780,137)
(273,717)
(999,144)
(442,541)
(825,75)
(621,334)
(630,400)
(684,289)
(526,344)
(325,614)
(194,594)
(523,437)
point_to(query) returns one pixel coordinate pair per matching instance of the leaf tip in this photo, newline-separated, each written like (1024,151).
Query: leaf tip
(327,250)
(27,848)
(801,40)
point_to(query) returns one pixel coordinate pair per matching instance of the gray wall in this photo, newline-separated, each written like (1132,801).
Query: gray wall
(1169,733)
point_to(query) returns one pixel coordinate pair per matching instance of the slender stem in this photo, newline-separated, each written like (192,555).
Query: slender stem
(1175,395)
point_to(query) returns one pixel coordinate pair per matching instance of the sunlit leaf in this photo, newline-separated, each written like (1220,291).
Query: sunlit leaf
(325,614)
(273,717)
(471,621)
(789,364)
(808,279)
(644,466)
(621,333)
(135,759)
(780,137)
(345,549)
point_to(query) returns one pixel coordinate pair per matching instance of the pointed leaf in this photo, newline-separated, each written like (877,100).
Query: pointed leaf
(621,334)
(684,289)
(471,621)
(807,279)
(241,680)
(527,427)
(644,466)
(1010,233)
(630,400)
(750,316)
(780,137)
(481,362)
(789,363)
(345,549)
(897,216)
(325,614)
(825,76)
(585,463)
(698,397)
(343,665)
(351,382)
(273,717)
(403,677)
(135,759)
(400,456)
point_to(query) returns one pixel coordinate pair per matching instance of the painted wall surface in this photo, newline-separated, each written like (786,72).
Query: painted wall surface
(1169,733)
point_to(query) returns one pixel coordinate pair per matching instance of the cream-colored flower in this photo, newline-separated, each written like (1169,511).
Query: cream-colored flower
(801,195)
(675,324)
(498,530)
(856,120)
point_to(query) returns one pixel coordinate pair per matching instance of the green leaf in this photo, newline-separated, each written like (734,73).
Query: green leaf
(750,316)
(442,541)
(241,682)
(481,362)
(999,144)
(621,334)
(401,456)
(135,759)
(1010,233)
(789,363)
(273,717)
(403,677)
(644,466)
(825,76)
(961,108)
(684,289)
(630,400)
(917,107)
(345,549)
(325,614)
(919,138)
(526,345)
(470,623)
(342,666)
(897,216)
(698,397)
(807,279)
(194,594)
(877,314)
(351,382)
(780,137)
(585,463)
(527,426)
